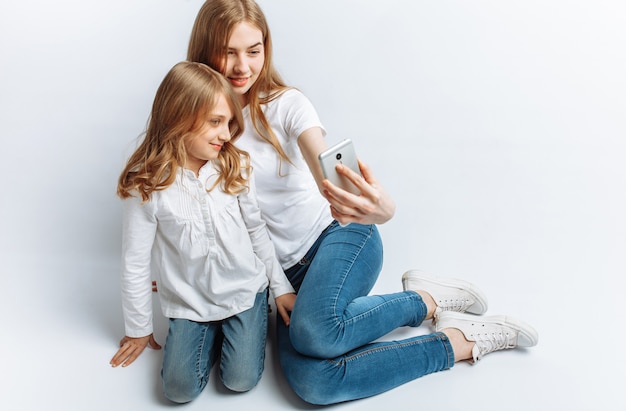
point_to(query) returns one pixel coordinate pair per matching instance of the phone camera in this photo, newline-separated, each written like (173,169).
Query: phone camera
(338,156)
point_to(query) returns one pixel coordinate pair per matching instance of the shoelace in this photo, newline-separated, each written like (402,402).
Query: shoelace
(454,304)
(490,342)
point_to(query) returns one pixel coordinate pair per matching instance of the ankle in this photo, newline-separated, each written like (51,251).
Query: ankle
(461,347)
(431,305)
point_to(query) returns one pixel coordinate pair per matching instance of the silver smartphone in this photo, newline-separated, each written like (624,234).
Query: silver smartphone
(341,153)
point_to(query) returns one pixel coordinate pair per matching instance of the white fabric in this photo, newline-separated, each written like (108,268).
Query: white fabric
(291,204)
(210,253)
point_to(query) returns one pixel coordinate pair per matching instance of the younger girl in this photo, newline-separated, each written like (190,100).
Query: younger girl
(191,213)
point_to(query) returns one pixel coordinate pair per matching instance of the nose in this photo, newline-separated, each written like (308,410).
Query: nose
(224,134)
(240,64)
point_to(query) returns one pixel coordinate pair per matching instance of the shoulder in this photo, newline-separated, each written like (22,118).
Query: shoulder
(290,104)
(287,97)
(293,95)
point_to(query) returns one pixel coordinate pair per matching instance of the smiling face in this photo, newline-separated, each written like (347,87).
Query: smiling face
(245,58)
(206,143)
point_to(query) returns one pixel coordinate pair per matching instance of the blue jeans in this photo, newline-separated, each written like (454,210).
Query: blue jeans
(191,349)
(327,352)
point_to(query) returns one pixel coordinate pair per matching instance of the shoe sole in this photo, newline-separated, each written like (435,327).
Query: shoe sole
(480,299)
(527,336)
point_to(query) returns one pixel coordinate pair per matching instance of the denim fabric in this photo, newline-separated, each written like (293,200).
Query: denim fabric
(327,352)
(191,349)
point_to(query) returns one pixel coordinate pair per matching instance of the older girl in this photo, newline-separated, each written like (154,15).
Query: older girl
(327,352)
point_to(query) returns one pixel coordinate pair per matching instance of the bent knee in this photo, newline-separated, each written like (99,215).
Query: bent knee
(315,386)
(179,393)
(304,338)
(310,340)
(241,385)
(241,380)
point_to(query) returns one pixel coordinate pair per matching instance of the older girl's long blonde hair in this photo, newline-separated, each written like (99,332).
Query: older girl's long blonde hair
(183,101)
(209,44)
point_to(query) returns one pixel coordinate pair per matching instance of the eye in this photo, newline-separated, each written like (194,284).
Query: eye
(215,121)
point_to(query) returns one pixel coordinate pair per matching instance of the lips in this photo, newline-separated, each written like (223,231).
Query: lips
(238,82)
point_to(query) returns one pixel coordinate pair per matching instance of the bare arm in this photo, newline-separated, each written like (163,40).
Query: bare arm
(312,143)
(373,206)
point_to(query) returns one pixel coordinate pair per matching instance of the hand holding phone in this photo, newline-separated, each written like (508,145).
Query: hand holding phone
(341,153)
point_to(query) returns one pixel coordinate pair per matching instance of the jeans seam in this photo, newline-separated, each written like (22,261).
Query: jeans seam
(201,377)
(379,307)
(264,319)
(346,359)
(449,350)
(345,274)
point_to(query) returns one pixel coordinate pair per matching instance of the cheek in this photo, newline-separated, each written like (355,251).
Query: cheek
(222,65)
(227,66)
(188,146)
(191,148)
(258,65)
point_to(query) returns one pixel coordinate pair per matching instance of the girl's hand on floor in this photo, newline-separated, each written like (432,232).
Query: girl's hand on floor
(130,348)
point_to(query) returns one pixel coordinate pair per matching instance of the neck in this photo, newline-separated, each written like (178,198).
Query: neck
(243,100)
(195,166)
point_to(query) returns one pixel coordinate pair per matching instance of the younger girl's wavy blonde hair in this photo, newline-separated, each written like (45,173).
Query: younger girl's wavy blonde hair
(183,102)
(209,45)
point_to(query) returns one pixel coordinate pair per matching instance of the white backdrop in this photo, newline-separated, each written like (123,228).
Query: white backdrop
(497,126)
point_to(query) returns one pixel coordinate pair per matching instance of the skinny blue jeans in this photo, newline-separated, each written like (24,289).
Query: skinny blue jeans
(191,349)
(327,353)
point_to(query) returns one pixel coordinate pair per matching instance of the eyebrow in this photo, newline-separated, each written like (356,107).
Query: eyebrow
(249,47)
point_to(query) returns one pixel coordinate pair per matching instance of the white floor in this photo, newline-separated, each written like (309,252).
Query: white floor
(498,128)
(62,323)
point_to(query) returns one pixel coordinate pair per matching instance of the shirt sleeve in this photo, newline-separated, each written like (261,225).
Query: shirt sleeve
(299,114)
(138,233)
(261,243)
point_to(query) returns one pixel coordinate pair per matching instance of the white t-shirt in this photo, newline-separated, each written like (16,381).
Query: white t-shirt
(291,204)
(210,252)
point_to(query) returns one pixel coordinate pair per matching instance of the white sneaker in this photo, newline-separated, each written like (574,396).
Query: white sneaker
(449,294)
(490,334)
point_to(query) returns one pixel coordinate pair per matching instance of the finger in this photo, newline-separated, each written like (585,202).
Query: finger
(284,314)
(366,171)
(358,180)
(345,200)
(340,198)
(291,302)
(132,357)
(348,173)
(120,356)
(115,361)
(154,344)
(343,219)
(347,207)
(134,350)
